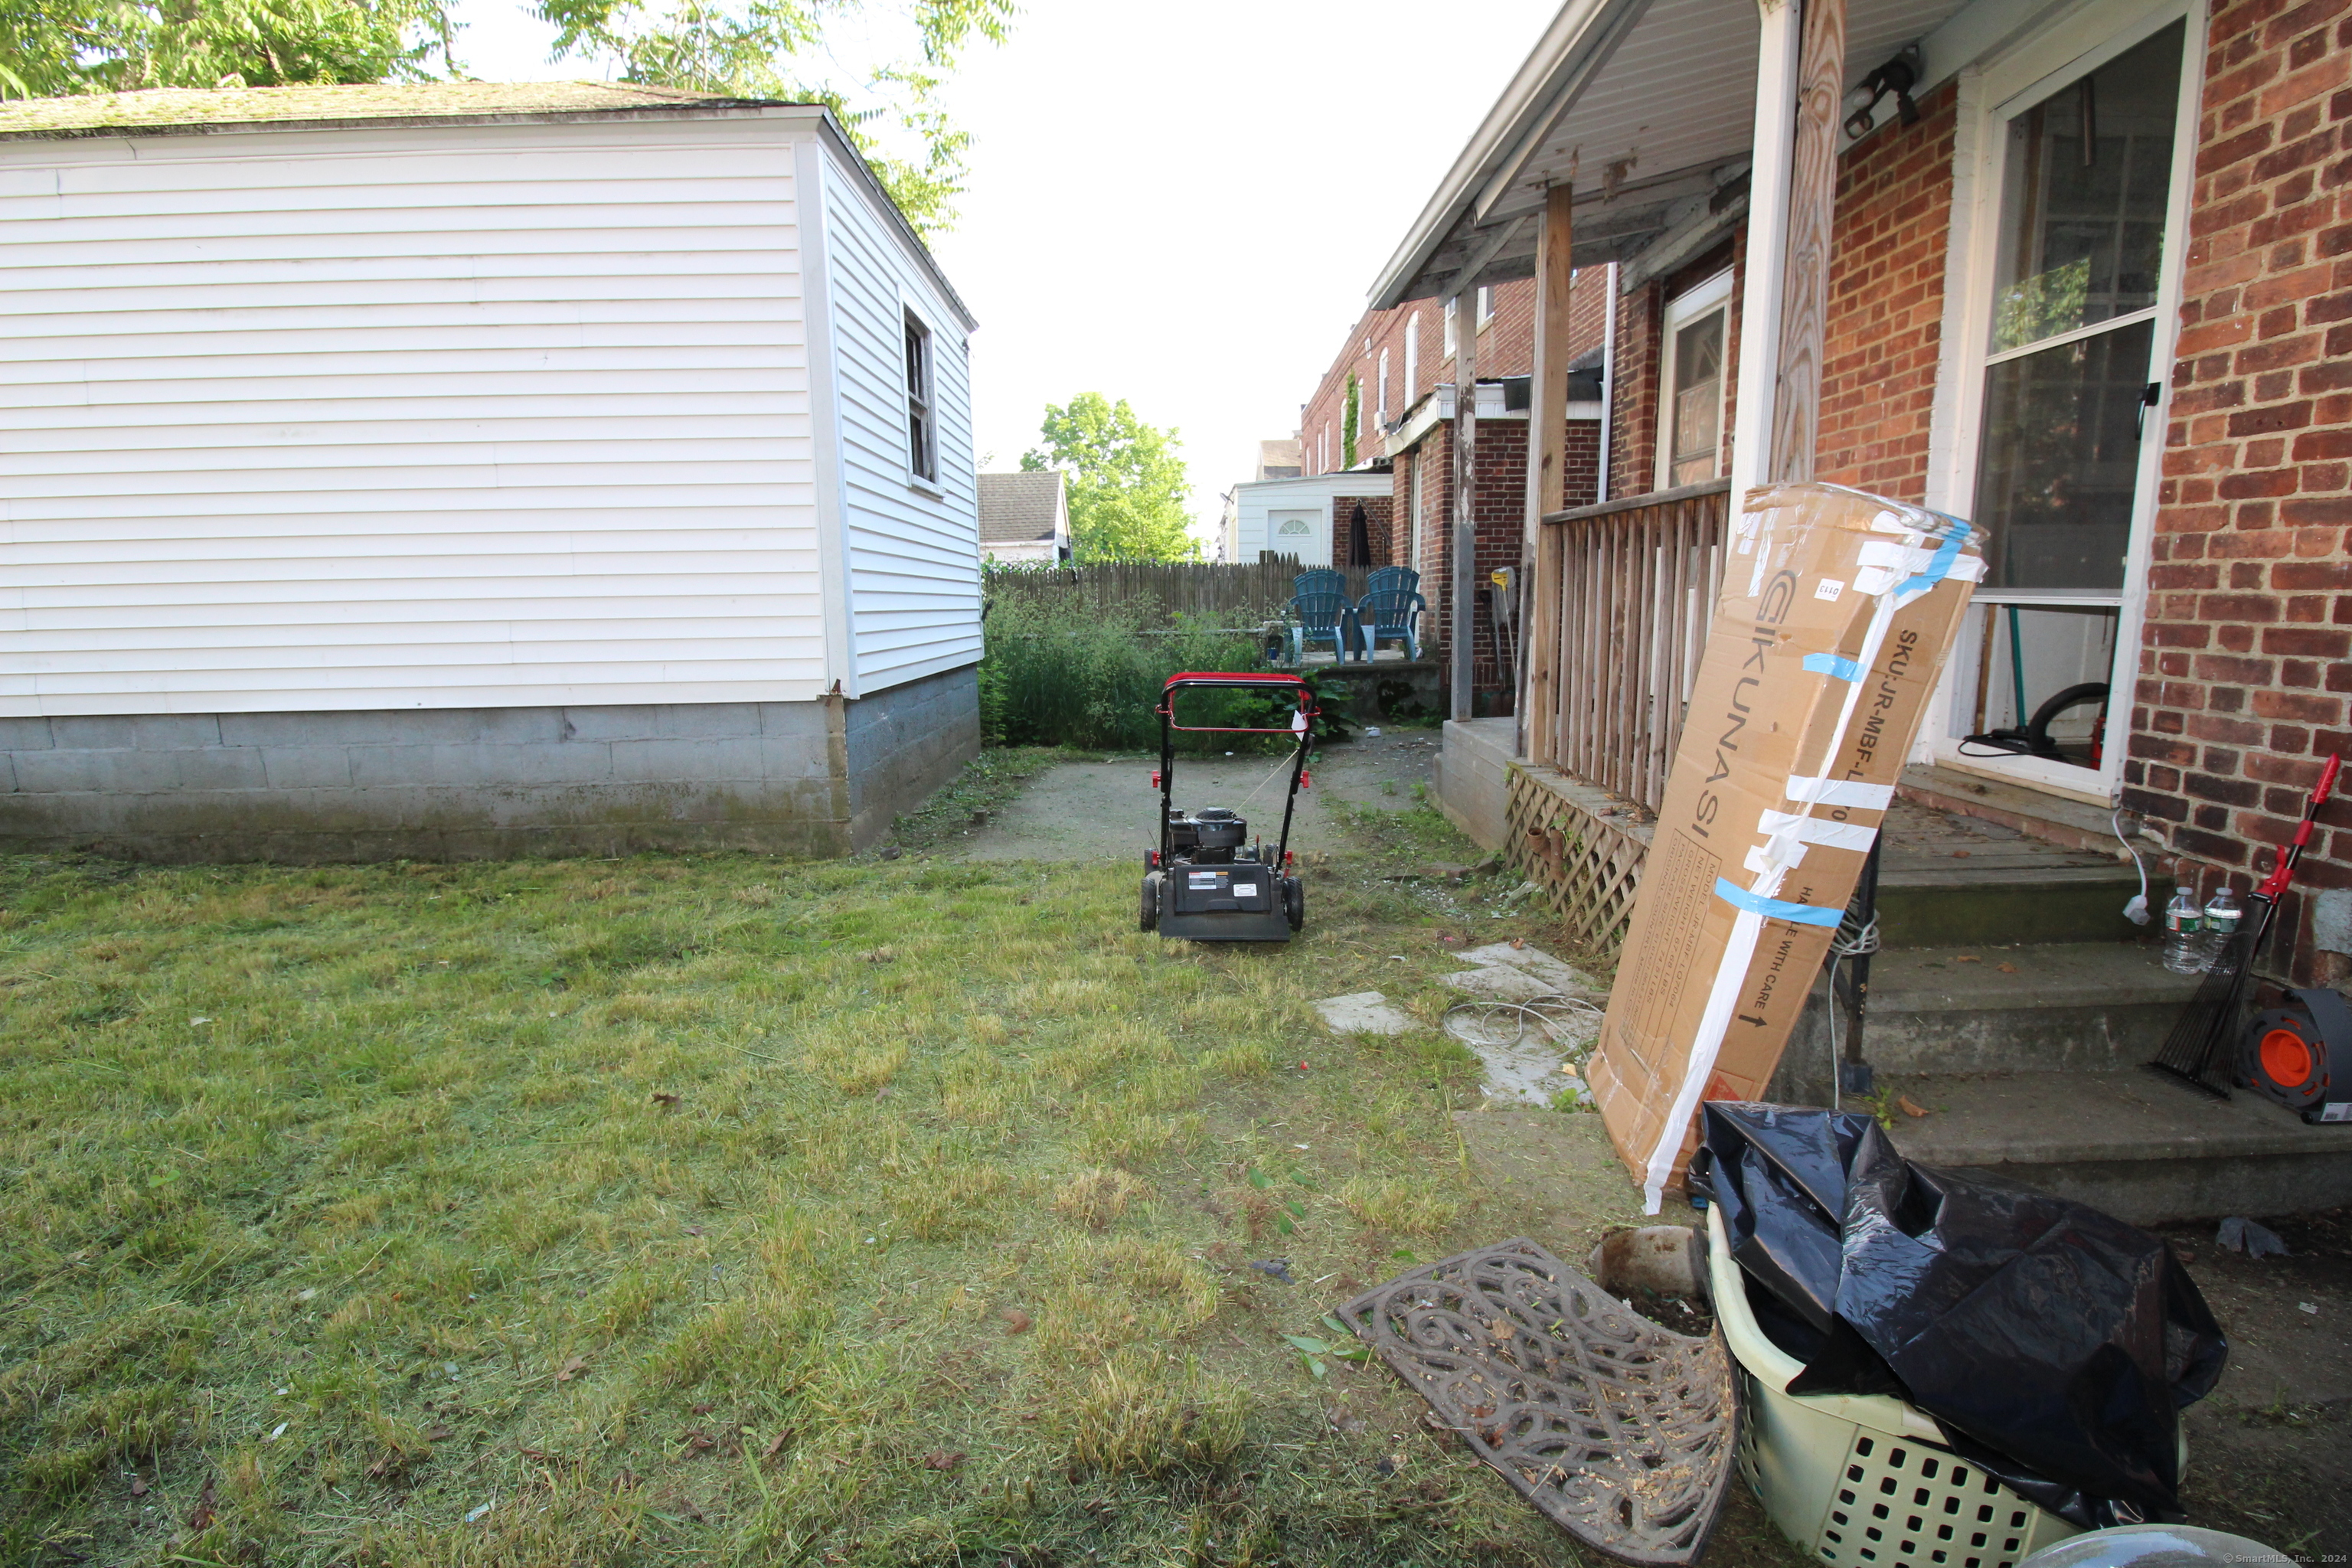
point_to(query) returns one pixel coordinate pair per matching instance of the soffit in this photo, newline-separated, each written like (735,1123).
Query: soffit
(1658,132)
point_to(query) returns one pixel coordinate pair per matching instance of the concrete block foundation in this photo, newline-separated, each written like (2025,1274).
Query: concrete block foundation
(815,779)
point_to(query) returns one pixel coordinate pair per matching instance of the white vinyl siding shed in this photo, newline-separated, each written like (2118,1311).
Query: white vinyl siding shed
(458,414)
(470,468)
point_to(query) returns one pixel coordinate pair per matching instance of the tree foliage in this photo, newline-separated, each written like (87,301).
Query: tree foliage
(747,49)
(53,47)
(766,48)
(1351,421)
(1127,483)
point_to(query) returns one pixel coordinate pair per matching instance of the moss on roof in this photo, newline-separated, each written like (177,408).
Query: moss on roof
(169,108)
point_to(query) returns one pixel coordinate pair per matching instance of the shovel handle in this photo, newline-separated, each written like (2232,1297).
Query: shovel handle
(2326,781)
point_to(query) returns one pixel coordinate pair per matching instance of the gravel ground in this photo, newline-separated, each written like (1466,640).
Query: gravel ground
(1085,811)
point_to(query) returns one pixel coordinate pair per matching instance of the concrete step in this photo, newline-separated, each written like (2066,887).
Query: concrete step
(2092,1006)
(2127,1142)
(1923,907)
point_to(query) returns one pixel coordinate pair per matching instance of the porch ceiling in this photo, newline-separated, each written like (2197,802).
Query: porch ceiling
(1650,105)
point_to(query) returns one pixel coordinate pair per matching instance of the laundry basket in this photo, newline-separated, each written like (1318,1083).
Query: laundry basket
(1861,1480)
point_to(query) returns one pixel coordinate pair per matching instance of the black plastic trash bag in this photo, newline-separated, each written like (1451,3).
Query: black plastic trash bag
(2055,1344)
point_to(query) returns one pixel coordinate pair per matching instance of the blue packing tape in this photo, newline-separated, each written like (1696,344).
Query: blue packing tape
(1740,898)
(1940,566)
(1830,664)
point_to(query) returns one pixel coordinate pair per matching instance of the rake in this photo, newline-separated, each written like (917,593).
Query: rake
(2198,1053)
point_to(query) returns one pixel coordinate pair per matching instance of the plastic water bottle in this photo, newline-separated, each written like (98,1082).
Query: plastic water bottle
(2184,932)
(2222,917)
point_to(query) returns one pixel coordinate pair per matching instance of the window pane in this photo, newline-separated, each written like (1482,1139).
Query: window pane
(2060,457)
(1698,401)
(2082,197)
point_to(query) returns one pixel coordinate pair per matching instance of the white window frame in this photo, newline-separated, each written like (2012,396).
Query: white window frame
(1412,357)
(1452,330)
(1485,306)
(1991,92)
(1691,305)
(1383,408)
(922,454)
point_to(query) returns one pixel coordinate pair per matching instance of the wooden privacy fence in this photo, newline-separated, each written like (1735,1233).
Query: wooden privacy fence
(1624,593)
(1241,594)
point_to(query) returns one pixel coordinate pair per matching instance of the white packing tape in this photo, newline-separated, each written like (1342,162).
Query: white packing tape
(1816,830)
(1841,792)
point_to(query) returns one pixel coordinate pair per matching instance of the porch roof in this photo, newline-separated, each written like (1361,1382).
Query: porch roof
(1649,106)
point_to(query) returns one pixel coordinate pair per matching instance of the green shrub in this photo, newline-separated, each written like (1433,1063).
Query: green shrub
(1060,671)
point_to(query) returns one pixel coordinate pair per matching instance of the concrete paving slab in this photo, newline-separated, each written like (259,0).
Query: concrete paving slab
(1565,979)
(1493,982)
(1363,1013)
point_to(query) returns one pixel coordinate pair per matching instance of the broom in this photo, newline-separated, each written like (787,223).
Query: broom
(2197,1053)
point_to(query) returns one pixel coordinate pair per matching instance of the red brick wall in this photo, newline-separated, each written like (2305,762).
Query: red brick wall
(1505,348)
(1377,532)
(2242,672)
(1883,335)
(1641,367)
(1500,518)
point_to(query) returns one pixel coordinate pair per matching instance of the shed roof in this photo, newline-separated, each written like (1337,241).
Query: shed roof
(1020,506)
(197,109)
(184,111)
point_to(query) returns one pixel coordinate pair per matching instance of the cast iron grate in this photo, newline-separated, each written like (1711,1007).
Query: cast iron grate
(1621,1431)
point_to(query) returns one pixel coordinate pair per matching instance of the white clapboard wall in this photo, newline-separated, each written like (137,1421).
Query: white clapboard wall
(913,551)
(429,416)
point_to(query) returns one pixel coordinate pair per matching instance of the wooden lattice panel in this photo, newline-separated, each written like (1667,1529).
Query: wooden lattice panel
(1587,865)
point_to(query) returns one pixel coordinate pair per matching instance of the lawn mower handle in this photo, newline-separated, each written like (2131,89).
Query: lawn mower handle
(1303,727)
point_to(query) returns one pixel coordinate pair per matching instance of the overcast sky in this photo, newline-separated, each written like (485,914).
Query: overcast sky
(1178,206)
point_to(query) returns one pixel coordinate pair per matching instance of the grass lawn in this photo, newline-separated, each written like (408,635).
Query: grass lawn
(716,1209)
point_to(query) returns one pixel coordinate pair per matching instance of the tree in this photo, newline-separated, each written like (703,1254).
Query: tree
(749,48)
(52,48)
(1127,483)
(1351,421)
(758,48)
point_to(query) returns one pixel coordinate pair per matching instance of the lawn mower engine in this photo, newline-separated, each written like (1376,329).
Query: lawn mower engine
(2300,1055)
(1212,885)
(1207,881)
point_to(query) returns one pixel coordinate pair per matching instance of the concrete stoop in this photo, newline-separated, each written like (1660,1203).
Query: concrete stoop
(2088,1006)
(2129,1142)
(2028,1061)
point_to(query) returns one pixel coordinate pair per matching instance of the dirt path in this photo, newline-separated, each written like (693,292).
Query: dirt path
(1085,811)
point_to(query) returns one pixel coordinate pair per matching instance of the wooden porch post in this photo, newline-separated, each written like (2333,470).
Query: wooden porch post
(1461,629)
(1768,241)
(1812,199)
(1539,588)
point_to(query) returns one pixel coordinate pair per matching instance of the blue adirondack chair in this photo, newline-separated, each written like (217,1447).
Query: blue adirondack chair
(1383,578)
(1319,580)
(1317,616)
(1387,614)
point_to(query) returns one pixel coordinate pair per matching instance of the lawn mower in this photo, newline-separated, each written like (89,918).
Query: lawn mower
(1207,881)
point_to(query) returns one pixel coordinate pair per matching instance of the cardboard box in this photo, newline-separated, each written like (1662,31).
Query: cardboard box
(1836,613)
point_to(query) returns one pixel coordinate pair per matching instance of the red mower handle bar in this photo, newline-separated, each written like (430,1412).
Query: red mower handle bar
(1233,681)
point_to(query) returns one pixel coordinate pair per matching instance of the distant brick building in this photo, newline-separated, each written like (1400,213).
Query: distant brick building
(1402,361)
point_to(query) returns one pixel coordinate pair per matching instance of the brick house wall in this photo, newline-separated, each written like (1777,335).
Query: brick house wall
(2242,666)
(1884,337)
(1506,347)
(1641,366)
(1378,534)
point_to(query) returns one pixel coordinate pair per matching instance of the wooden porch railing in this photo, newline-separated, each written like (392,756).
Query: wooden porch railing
(1622,595)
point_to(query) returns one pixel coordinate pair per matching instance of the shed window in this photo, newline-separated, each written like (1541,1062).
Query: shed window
(922,422)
